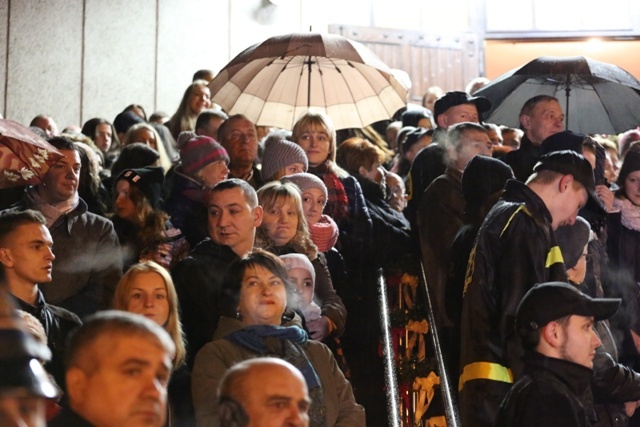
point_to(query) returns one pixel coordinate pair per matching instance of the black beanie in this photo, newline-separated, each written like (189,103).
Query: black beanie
(631,163)
(483,177)
(149,180)
(565,140)
(125,120)
(572,239)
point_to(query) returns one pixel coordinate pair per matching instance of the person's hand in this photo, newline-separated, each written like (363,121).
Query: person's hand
(630,407)
(320,328)
(606,196)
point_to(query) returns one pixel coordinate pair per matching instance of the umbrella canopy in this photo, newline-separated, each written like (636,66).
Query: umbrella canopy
(273,82)
(597,97)
(24,156)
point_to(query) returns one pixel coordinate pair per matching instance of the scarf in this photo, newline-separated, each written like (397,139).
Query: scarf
(51,212)
(630,213)
(337,206)
(324,233)
(284,342)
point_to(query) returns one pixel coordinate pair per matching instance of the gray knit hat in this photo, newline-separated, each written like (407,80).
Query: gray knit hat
(280,153)
(305,181)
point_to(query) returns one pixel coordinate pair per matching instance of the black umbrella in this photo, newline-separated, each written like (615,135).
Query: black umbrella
(597,97)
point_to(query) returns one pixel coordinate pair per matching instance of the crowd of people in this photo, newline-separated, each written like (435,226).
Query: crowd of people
(184,271)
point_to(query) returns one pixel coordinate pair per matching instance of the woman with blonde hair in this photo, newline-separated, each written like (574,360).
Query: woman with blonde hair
(146,134)
(284,230)
(196,99)
(147,289)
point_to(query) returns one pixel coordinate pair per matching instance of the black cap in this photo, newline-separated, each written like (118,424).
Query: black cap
(149,180)
(451,99)
(569,162)
(482,177)
(565,140)
(550,301)
(413,117)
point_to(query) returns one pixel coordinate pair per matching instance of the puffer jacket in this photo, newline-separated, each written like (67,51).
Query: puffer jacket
(514,250)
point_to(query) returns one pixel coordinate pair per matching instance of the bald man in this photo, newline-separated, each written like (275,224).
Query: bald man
(264,392)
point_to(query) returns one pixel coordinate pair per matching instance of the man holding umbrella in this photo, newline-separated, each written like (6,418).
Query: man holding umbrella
(540,117)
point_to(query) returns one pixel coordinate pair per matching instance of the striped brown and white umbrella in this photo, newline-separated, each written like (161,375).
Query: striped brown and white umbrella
(273,82)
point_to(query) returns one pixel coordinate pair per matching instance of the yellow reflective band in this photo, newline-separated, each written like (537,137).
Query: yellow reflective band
(554,256)
(522,208)
(485,371)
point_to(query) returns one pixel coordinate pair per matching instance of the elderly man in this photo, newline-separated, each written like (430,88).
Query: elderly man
(45,123)
(555,322)
(450,109)
(515,248)
(238,136)
(118,368)
(540,117)
(263,392)
(234,215)
(441,210)
(26,259)
(88,262)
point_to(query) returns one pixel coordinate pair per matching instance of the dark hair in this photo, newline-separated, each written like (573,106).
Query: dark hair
(248,191)
(133,156)
(10,220)
(232,282)
(64,143)
(131,107)
(206,115)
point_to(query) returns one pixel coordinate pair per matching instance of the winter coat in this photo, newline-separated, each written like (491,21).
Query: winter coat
(551,393)
(440,215)
(523,159)
(69,418)
(220,354)
(198,280)
(515,249)
(428,164)
(88,262)
(57,323)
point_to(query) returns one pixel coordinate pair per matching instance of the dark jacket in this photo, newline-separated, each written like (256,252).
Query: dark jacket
(390,237)
(523,159)
(57,323)
(428,164)
(552,392)
(515,249)
(88,262)
(198,280)
(186,207)
(440,215)
(68,418)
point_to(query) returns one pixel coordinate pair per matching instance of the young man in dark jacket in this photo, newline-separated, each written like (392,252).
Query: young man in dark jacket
(26,259)
(555,322)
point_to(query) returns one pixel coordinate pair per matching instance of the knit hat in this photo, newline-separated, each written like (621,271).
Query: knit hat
(292,261)
(305,181)
(135,155)
(149,180)
(455,98)
(565,140)
(630,164)
(572,239)
(324,233)
(125,120)
(278,154)
(199,152)
(483,177)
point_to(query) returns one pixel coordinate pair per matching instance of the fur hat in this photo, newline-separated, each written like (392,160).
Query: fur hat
(149,180)
(292,261)
(199,152)
(280,153)
(305,181)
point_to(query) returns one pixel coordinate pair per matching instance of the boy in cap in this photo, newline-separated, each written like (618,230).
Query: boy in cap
(555,323)
(515,248)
